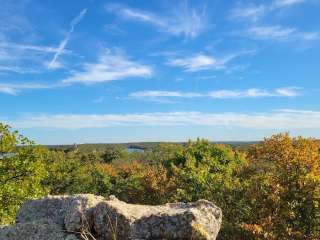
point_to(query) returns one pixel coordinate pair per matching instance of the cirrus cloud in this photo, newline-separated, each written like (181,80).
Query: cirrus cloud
(280,33)
(109,67)
(200,62)
(287,3)
(186,21)
(218,94)
(284,119)
(15,88)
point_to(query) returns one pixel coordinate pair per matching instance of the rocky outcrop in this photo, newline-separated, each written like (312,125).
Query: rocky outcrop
(72,212)
(199,220)
(86,216)
(35,230)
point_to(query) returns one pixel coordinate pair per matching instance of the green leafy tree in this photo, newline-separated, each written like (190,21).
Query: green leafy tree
(114,154)
(203,170)
(73,173)
(162,152)
(22,169)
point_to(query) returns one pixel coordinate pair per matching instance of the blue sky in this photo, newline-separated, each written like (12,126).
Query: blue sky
(140,70)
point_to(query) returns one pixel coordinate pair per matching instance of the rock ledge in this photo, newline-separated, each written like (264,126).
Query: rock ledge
(68,217)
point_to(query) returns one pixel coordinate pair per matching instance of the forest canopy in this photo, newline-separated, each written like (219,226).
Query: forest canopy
(269,191)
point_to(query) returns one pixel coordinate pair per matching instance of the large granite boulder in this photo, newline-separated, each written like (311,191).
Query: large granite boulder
(72,212)
(199,220)
(85,216)
(35,230)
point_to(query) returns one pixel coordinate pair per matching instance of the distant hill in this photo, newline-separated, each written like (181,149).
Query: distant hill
(241,145)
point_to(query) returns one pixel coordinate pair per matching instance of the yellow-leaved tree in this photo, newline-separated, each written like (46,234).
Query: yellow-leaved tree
(284,189)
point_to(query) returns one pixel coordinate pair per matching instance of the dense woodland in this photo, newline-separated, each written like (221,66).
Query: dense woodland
(269,190)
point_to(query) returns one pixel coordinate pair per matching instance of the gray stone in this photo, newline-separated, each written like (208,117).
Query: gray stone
(79,215)
(114,219)
(72,212)
(65,217)
(36,230)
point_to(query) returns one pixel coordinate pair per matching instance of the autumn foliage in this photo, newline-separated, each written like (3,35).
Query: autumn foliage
(270,191)
(283,177)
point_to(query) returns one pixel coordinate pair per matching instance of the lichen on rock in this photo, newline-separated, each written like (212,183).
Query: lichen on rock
(66,217)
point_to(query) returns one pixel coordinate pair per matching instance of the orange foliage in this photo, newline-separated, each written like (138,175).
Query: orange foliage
(284,187)
(140,183)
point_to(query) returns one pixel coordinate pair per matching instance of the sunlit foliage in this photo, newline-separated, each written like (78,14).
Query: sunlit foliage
(284,189)
(270,191)
(22,169)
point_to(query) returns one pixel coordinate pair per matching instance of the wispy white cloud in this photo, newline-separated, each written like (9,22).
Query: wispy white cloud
(186,21)
(309,36)
(285,119)
(256,93)
(251,12)
(13,19)
(288,91)
(199,62)
(44,49)
(287,3)
(53,63)
(17,51)
(27,47)
(15,88)
(109,67)
(16,69)
(218,94)
(23,58)
(113,29)
(280,33)
(166,94)
(7,89)
(207,77)
(271,32)
(255,12)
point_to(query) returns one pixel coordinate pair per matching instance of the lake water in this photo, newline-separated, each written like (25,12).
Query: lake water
(7,155)
(134,149)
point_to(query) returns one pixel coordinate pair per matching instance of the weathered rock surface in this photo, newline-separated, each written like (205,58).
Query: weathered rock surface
(36,230)
(72,212)
(199,220)
(64,217)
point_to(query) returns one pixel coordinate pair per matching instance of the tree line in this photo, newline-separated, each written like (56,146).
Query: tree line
(269,191)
